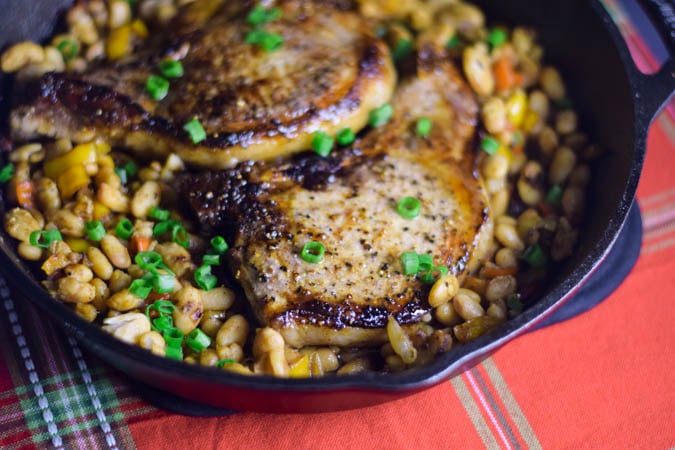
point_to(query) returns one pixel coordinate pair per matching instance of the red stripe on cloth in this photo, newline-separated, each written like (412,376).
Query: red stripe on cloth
(657,174)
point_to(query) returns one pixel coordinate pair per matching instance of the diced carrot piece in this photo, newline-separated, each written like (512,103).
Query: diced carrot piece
(493,271)
(505,75)
(139,243)
(24,194)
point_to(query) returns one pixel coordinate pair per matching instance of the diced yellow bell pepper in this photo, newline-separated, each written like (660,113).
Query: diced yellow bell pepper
(72,180)
(516,107)
(139,28)
(505,152)
(531,121)
(78,245)
(300,368)
(102,148)
(80,155)
(118,43)
(106,161)
(100,210)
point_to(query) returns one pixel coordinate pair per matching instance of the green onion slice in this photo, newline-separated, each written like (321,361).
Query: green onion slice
(140,288)
(453,42)
(496,37)
(381,115)
(171,68)
(259,15)
(423,127)
(174,353)
(402,49)
(180,236)
(219,245)
(122,173)
(150,261)
(124,228)
(489,145)
(222,362)
(322,143)
(163,283)
(162,323)
(554,195)
(267,41)
(411,263)
(345,136)
(173,337)
(44,238)
(6,173)
(409,207)
(164,307)
(68,48)
(431,276)
(131,169)
(197,340)
(95,230)
(426,263)
(535,256)
(204,278)
(158,213)
(196,131)
(211,259)
(157,87)
(313,252)
(514,303)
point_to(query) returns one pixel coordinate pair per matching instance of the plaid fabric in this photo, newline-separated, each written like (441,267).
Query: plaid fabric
(602,380)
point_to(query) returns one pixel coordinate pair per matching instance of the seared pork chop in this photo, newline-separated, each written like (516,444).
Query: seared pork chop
(329,73)
(348,202)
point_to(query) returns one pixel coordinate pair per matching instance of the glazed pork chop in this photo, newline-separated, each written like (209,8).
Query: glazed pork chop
(253,104)
(347,202)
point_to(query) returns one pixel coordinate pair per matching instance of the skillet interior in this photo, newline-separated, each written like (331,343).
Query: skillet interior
(591,58)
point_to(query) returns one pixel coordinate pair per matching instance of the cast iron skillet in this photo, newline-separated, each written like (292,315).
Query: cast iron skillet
(617,104)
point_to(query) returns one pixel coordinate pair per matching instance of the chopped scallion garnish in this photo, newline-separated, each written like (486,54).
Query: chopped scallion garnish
(6,173)
(163,283)
(204,278)
(171,68)
(409,207)
(140,288)
(124,229)
(174,353)
(430,276)
(411,263)
(489,145)
(554,195)
(259,15)
(180,236)
(196,131)
(222,362)
(158,213)
(423,127)
(131,169)
(496,37)
(68,48)
(345,136)
(535,256)
(197,340)
(211,260)
(265,40)
(514,303)
(95,230)
(313,252)
(402,49)
(219,244)
(381,115)
(322,143)
(162,323)
(453,42)
(426,263)
(173,337)
(122,174)
(43,239)
(157,87)
(148,260)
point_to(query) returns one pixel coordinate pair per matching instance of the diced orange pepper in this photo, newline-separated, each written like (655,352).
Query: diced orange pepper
(300,369)
(493,271)
(139,243)
(24,194)
(505,75)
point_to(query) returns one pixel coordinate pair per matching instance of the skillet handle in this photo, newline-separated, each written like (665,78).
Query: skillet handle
(652,92)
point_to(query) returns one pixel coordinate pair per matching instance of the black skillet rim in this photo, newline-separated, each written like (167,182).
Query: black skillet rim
(459,358)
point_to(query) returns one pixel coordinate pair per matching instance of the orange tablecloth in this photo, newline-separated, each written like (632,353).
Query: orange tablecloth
(605,379)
